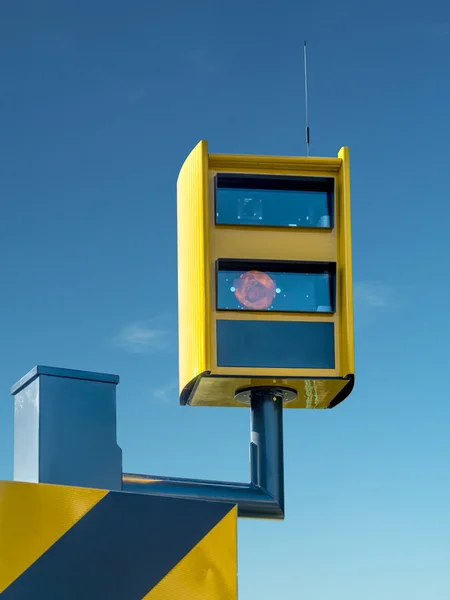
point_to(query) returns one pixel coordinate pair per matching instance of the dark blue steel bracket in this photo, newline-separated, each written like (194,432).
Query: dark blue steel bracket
(263,497)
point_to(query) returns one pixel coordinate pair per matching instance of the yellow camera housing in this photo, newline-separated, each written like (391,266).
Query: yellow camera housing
(234,239)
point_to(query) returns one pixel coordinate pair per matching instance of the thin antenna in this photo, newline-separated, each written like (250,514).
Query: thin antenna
(306,100)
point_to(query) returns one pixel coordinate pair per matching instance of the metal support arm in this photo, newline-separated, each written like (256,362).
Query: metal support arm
(263,497)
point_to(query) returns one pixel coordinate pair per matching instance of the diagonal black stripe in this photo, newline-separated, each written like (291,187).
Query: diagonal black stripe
(119,550)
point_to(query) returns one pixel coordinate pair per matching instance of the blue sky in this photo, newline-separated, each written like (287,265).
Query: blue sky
(100,104)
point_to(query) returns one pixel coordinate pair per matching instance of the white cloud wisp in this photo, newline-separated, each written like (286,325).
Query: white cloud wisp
(371,294)
(146,336)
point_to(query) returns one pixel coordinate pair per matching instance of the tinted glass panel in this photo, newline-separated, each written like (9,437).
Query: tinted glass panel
(288,287)
(274,201)
(275,344)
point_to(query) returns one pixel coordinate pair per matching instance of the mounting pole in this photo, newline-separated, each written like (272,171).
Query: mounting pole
(263,497)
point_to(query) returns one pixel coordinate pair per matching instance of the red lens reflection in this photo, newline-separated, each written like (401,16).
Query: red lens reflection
(255,289)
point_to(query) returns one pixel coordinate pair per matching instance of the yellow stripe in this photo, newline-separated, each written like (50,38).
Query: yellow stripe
(209,571)
(33,517)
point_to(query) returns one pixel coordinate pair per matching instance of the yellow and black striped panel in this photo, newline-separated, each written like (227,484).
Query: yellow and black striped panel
(64,542)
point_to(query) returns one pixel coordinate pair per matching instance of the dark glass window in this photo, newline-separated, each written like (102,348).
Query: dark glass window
(276,286)
(274,201)
(275,344)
